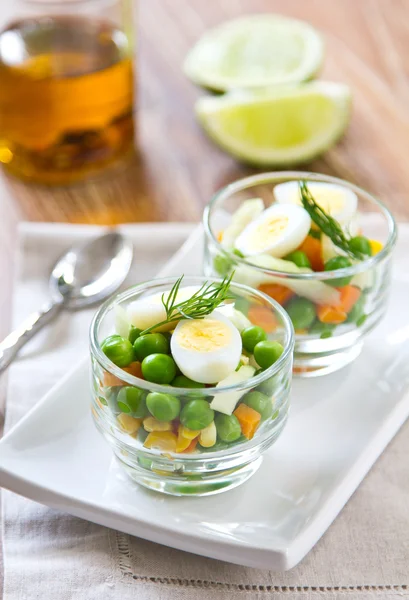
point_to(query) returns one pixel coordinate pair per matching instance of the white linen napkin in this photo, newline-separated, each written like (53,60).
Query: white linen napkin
(50,555)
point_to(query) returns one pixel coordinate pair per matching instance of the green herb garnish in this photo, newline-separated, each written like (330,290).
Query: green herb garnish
(327,224)
(201,304)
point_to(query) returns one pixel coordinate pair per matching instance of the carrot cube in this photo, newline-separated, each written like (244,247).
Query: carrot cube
(249,420)
(277,292)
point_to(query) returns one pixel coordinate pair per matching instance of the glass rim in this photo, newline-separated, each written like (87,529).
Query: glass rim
(206,391)
(269,177)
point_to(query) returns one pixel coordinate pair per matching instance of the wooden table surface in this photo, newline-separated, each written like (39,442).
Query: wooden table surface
(178,169)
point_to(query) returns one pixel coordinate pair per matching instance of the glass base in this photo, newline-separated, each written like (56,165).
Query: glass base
(192,485)
(315,365)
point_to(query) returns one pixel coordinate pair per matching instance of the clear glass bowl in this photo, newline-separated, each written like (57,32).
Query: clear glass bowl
(318,349)
(196,473)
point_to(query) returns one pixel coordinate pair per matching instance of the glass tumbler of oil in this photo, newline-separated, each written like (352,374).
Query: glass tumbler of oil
(66,88)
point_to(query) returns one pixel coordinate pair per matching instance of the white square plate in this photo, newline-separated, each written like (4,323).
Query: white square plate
(338,427)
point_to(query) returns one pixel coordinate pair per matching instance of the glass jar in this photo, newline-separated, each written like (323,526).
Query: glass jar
(320,347)
(185,472)
(66,88)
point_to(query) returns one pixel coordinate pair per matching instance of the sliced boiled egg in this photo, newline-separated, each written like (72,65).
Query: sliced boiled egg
(148,311)
(278,231)
(239,320)
(206,350)
(336,200)
(248,211)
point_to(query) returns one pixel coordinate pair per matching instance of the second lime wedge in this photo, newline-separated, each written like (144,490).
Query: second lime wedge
(255,51)
(281,127)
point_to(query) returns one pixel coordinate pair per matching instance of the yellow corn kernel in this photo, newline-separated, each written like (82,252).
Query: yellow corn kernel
(161,440)
(182,444)
(189,434)
(129,424)
(208,435)
(152,424)
(375,246)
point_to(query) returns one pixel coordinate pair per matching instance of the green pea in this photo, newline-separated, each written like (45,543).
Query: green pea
(103,400)
(326,334)
(301,312)
(241,439)
(357,310)
(260,403)
(299,258)
(134,399)
(361,244)
(111,394)
(268,386)
(252,336)
(196,414)
(134,333)
(361,320)
(267,353)
(159,368)
(228,427)
(324,330)
(118,350)
(335,263)
(222,264)
(184,382)
(163,407)
(150,343)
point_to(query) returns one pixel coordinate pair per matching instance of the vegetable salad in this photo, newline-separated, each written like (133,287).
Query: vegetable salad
(192,338)
(307,229)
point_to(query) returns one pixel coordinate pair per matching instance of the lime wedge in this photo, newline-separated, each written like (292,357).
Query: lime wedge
(255,51)
(281,127)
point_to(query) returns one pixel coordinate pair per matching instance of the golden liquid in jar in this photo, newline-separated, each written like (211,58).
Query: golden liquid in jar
(66,98)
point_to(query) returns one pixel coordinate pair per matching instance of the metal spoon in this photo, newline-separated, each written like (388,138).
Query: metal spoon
(85,275)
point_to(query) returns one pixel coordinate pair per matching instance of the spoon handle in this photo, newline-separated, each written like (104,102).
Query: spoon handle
(13,343)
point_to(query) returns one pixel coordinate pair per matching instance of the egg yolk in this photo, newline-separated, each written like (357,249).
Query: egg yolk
(204,335)
(267,232)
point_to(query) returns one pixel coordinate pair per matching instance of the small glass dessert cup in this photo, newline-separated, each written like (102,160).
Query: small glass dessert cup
(325,339)
(205,470)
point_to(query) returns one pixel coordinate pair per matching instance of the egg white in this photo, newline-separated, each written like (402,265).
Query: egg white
(248,211)
(211,359)
(279,230)
(338,201)
(239,320)
(147,311)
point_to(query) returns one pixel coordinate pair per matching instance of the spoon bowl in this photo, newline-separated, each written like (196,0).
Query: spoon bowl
(85,275)
(91,272)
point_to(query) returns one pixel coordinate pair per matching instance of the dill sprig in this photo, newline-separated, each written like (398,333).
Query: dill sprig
(327,224)
(201,304)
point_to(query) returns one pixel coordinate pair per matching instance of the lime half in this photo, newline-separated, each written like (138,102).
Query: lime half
(281,127)
(255,51)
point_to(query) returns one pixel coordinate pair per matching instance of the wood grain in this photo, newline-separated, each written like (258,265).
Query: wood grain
(176,169)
